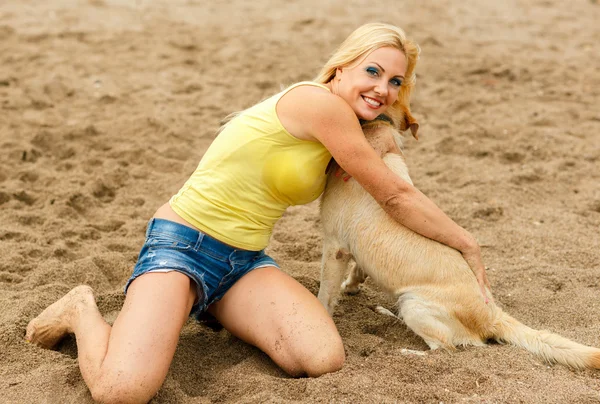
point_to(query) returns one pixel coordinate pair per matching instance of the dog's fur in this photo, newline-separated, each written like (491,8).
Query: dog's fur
(438,295)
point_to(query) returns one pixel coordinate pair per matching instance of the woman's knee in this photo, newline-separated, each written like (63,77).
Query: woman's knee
(311,362)
(118,388)
(325,362)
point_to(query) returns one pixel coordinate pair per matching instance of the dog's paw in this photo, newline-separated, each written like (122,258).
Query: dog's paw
(350,289)
(405,351)
(383,310)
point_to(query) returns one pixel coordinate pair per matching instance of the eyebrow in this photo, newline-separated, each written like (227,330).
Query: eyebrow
(383,70)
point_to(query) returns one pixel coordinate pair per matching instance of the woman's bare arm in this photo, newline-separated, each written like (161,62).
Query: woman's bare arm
(331,121)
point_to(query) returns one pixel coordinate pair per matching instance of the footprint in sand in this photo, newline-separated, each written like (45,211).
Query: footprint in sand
(492,213)
(29,176)
(512,157)
(4,197)
(103,192)
(529,178)
(25,197)
(31,220)
(80,202)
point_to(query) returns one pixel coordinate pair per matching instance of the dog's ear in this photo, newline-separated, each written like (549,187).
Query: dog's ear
(409,122)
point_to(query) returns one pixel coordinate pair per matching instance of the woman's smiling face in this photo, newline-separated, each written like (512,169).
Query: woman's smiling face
(371,86)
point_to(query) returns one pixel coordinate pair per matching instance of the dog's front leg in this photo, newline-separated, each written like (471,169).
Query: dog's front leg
(333,267)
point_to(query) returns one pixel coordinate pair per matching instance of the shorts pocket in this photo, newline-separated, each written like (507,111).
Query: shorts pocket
(164,241)
(241,264)
(239,259)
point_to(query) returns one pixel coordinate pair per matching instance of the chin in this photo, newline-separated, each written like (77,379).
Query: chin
(370,115)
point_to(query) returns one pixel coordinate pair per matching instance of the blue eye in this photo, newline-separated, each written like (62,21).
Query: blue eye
(396,82)
(372,71)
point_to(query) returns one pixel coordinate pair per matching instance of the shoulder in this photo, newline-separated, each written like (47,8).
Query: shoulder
(308,92)
(308,109)
(307,97)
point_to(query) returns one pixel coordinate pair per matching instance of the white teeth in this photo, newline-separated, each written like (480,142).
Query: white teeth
(371,102)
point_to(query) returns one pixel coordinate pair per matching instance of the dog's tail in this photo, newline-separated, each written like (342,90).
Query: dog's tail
(551,347)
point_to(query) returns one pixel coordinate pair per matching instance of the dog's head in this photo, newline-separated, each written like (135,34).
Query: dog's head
(404,120)
(380,131)
(381,134)
(390,125)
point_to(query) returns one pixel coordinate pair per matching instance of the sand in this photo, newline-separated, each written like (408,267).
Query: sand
(107,106)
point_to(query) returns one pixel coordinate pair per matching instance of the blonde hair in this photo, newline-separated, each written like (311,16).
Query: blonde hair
(363,41)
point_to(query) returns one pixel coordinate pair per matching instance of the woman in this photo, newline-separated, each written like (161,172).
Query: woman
(204,249)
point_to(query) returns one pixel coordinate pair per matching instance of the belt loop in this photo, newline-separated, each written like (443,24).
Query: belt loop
(149,227)
(199,241)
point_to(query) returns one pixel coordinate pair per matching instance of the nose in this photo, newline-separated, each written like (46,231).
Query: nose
(381,89)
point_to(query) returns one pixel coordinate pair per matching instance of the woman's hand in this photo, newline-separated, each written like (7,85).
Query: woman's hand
(472,255)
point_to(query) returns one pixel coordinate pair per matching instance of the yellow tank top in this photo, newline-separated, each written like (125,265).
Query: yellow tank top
(252,171)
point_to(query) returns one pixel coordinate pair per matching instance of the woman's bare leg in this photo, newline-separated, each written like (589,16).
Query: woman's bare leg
(272,311)
(127,362)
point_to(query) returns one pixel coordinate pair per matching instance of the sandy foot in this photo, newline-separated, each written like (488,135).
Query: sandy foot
(56,321)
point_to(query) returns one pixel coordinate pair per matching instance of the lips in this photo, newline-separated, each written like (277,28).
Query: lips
(372,102)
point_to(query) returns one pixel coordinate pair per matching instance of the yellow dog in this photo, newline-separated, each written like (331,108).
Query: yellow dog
(438,295)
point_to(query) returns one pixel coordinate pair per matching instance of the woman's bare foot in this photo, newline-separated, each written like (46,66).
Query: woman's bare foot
(57,320)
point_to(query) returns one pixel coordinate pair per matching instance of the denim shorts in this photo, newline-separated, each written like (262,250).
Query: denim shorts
(211,264)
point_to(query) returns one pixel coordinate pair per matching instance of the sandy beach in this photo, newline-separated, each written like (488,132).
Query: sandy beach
(106,107)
